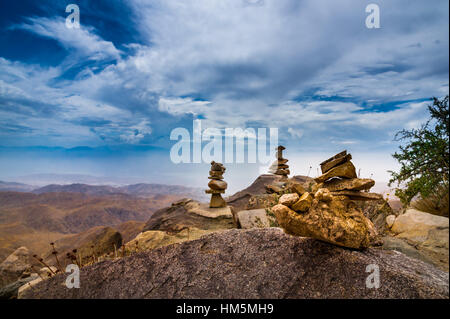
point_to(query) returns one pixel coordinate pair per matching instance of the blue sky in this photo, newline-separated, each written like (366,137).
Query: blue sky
(103,99)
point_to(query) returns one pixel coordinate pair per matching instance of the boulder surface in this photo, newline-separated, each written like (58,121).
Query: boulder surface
(255,263)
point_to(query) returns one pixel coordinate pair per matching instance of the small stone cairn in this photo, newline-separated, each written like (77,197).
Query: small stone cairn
(217,185)
(279,167)
(328,211)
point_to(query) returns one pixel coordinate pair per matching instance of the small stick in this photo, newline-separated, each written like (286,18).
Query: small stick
(43,263)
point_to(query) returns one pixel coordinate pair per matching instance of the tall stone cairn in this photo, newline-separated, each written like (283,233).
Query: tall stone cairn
(279,167)
(217,185)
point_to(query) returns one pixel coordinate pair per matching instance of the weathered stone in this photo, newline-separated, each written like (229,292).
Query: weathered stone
(189,215)
(251,264)
(255,218)
(376,211)
(273,189)
(357,184)
(14,265)
(215,175)
(217,167)
(323,195)
(346,170)
(10,291)
(217,201)
(390,220)
(419,222)
(357,195)
(304,203)
(337,159)
(28,285)
(297,188)
(282,172)
(217,184)
(339,223)
(288,199)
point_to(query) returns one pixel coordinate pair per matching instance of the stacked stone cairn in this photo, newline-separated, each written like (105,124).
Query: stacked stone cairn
(279,167)
(217,185)
(329,212)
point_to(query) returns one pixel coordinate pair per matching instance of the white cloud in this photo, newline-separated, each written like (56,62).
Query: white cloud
(83,41)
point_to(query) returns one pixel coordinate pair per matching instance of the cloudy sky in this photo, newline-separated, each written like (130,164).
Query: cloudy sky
(103,99)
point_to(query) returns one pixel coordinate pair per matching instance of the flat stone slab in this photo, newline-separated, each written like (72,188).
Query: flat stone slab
(253,218)
(204,210)
(334,161)
(357,195)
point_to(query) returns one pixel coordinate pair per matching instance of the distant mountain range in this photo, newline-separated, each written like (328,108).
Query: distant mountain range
(139,190)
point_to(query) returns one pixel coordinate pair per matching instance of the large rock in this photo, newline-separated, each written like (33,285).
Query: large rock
(154,239)
(289,199)
(357,184)
(424,234)
(256,263)
(11,290)
(14,266)
(254,218)
(189,213)
(337,222)
(418,223)
(346,170)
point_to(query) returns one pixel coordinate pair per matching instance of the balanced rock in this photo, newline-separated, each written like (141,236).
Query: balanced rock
(338,222)
(289,199)
(346,170)
(357,184)
(304,203)
(335,161)
(217,184)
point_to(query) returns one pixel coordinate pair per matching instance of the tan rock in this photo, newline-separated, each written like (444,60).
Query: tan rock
(282,172)
(323,194)
(390,220)
(334,161)
(419,222)
(357,184)
(215,175)
(273,189)
(298,188)
(254,218)
(217,184)
(304,203)
(217,201)
(14,265)
(346,170)
(288,199)
(357,195)
(340,224)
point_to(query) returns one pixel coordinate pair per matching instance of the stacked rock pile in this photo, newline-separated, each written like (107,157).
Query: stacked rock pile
(329,212)
(339,177)
(279,167)
(217,185)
